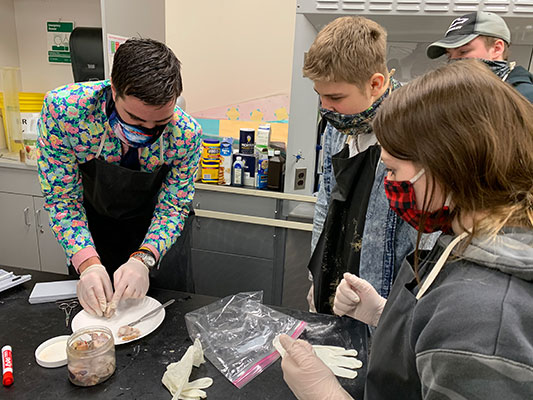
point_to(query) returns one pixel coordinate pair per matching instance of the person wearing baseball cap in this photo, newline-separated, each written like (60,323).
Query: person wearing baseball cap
(485,36)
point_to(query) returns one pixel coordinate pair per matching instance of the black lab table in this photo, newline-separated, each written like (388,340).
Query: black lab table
(141,364)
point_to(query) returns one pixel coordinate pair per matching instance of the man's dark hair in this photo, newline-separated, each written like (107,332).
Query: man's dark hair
(148,70)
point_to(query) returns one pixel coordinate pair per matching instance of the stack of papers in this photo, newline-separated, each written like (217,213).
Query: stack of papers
(53,291)
(9,279)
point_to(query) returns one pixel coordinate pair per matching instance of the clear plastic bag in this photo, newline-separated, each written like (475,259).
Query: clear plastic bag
(236,333)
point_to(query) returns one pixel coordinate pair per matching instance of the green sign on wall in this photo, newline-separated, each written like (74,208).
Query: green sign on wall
(58,35)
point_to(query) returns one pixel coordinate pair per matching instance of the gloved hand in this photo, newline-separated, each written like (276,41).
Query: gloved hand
(358,299)
(340,361)
(131,281)
(94,289)
(306,375)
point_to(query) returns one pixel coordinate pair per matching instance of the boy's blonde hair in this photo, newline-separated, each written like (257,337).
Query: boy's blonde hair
(349,49)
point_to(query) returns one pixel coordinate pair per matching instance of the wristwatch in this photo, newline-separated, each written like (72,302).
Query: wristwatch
(147,258)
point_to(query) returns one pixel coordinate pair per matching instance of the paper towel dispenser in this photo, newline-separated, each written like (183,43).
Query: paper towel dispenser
(87,54)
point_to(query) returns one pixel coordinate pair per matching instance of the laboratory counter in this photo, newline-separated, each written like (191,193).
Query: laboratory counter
(255,238)
(142,363)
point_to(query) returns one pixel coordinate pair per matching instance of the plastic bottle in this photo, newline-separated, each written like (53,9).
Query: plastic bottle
(263,135)
(276,172)
(30,147)
(226,155)
(237,177)
(261,172)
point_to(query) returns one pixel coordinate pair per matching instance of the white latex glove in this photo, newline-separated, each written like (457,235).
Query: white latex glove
(358,299)
(311,299)
(131,281)
(94,289)
(340,361)
(176,376)
(306,375)
(193,390)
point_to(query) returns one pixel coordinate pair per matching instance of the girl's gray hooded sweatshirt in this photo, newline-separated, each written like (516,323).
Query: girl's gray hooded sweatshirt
(471,334)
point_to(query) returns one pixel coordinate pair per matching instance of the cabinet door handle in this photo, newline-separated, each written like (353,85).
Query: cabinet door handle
(38,217)
(27,216)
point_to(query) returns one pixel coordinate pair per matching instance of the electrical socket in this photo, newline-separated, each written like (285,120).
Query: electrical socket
(299,178)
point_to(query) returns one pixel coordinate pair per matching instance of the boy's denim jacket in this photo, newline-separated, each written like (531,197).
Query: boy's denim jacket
(387,239)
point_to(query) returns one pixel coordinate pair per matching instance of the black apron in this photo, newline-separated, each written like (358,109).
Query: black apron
(392,371)
(120,203)
(338,249)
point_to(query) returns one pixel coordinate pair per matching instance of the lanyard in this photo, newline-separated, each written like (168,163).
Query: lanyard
(440,263)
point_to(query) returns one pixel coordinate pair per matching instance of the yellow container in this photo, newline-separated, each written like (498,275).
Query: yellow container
(11,118)
(210,150)
(210,169)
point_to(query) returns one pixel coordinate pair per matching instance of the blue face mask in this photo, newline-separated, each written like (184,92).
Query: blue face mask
(134,135)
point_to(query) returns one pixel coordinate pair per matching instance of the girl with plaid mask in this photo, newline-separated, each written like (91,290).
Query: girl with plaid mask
(458,147)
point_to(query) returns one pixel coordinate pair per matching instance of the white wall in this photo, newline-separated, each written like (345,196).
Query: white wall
(132,18)
(231,50)
(9,55)
(31,15)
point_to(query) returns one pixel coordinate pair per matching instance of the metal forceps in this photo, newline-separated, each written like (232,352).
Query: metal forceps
(68,306)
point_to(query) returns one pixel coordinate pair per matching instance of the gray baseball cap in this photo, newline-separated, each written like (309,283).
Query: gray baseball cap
(468,27)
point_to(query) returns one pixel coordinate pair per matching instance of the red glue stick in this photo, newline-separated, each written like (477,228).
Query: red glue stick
(7,366)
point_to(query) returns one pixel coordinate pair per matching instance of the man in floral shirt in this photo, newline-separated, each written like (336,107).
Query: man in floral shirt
(117,165)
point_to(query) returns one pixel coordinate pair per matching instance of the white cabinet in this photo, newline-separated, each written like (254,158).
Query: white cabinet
(26,239)
(51,254)
(18,243)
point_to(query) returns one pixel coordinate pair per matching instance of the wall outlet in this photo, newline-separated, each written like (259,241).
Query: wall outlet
(299,178)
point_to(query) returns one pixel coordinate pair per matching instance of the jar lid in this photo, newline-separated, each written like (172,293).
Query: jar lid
(211,141)
(52,353)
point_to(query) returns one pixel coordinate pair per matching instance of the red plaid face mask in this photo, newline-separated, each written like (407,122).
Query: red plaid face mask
(401,195)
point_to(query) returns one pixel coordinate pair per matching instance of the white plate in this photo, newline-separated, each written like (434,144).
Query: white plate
(127,311)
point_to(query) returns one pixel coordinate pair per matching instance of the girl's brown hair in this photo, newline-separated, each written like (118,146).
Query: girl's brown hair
(473,134)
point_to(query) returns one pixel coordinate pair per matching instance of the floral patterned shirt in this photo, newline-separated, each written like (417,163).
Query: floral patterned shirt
(73,121)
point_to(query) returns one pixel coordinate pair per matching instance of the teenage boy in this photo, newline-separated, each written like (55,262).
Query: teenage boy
(485,36)
(354,228)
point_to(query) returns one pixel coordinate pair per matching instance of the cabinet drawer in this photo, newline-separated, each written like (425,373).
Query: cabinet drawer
(235,203)
(233,237)
(18,180)
(220,275)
